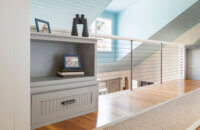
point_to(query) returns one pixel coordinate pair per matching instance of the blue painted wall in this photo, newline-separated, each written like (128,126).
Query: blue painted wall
(109,57)
(146,17)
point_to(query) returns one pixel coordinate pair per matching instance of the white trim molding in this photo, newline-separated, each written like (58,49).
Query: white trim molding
(14,65)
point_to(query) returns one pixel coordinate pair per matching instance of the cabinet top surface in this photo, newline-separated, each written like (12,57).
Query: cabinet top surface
(55,80)
(61,38)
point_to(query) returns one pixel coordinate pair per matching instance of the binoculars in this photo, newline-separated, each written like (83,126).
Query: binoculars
(80,20)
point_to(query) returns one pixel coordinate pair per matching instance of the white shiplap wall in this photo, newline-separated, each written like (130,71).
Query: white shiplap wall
(149,69)
(60,13)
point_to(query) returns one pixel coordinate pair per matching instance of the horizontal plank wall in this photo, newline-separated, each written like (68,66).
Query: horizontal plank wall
(149,69)
(14,65)
(60,13)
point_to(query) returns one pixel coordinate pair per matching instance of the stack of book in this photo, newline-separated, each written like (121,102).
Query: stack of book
(71,72)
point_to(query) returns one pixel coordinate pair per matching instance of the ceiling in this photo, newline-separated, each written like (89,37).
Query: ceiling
(118,5)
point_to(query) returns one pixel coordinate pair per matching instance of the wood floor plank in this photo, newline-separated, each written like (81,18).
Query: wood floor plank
(118,105)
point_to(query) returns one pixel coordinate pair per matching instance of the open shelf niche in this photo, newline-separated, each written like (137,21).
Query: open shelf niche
(47,57)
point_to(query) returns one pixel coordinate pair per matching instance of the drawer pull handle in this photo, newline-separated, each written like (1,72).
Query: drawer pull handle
(68,102)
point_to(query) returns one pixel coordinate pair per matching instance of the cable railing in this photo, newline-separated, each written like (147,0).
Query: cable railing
(138,62)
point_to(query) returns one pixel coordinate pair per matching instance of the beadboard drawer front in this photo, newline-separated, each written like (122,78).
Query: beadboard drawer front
(55,105)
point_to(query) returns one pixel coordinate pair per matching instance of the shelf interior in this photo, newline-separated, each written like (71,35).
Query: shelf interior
(47,58)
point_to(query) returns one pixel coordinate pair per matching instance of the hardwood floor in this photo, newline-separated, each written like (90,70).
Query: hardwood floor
(117,105)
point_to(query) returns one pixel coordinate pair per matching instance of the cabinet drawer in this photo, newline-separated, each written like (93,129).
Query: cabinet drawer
(59,104)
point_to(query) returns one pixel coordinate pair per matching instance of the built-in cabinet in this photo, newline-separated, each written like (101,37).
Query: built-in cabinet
(55,98)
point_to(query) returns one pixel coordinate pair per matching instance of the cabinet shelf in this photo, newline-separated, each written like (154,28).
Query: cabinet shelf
(61,38)
(48,50)
(55,80)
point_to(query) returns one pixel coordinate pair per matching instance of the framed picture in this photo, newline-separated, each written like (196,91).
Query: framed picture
(72,62)
(42,26)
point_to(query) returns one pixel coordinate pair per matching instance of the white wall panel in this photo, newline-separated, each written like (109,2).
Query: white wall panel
(193,64)
(14,65)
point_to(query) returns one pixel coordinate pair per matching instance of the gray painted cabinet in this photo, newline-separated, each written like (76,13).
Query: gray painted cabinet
(54,98)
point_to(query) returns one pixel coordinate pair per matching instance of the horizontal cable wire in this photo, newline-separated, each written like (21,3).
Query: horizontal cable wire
(146,62)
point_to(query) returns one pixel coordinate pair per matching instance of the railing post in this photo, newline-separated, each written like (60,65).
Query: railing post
(161,62)
(131,65)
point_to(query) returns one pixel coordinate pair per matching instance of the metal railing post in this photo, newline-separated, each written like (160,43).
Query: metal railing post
(131,65)
(161,62)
